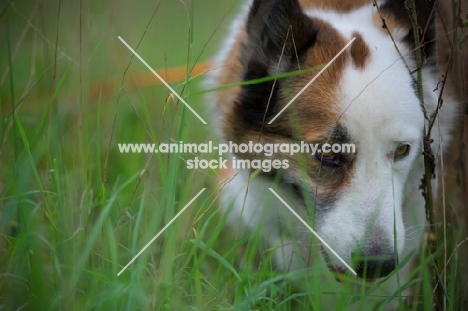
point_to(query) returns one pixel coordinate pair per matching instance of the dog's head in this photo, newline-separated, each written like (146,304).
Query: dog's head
(367,97)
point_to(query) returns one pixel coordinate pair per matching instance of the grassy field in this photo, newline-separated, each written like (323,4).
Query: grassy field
(74,210)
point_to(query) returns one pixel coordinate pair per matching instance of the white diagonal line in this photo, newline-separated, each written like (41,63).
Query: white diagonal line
(162,80)
(160,232)
(313,79)
(315,233)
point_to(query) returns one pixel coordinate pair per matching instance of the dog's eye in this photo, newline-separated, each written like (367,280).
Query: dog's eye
(324,154)
(327,158)
(402,151)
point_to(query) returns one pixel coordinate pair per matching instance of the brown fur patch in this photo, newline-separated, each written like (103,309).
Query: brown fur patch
(359,51)
(385,20)
(313,110)
(335,5)
(311,118)
(225,174)
(398,14)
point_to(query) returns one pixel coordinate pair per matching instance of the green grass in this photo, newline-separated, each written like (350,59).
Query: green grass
(74,211)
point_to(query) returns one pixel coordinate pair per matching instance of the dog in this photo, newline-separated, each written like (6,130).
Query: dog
(378,94)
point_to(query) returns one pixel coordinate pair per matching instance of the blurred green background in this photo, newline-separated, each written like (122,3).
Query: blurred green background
(73,210)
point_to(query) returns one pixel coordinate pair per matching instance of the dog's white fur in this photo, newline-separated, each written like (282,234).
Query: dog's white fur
(380,110)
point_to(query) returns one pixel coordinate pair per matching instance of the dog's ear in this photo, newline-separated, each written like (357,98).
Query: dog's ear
(412,19)
(275,28)
(278,34)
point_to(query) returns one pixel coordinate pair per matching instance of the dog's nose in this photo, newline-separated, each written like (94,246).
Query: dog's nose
(374,266)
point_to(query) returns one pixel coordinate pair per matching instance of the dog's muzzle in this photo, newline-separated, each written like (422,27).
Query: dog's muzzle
(373,266)
(367,266)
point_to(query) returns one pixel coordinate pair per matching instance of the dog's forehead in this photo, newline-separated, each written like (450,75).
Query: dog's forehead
(381,97)
(351,90)
(382,103)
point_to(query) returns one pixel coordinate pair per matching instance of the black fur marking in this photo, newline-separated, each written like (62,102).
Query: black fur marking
(401,10)
(340,134)
(274,23)
(252,105)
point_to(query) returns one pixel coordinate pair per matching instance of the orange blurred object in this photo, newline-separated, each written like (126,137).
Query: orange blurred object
(146,78)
